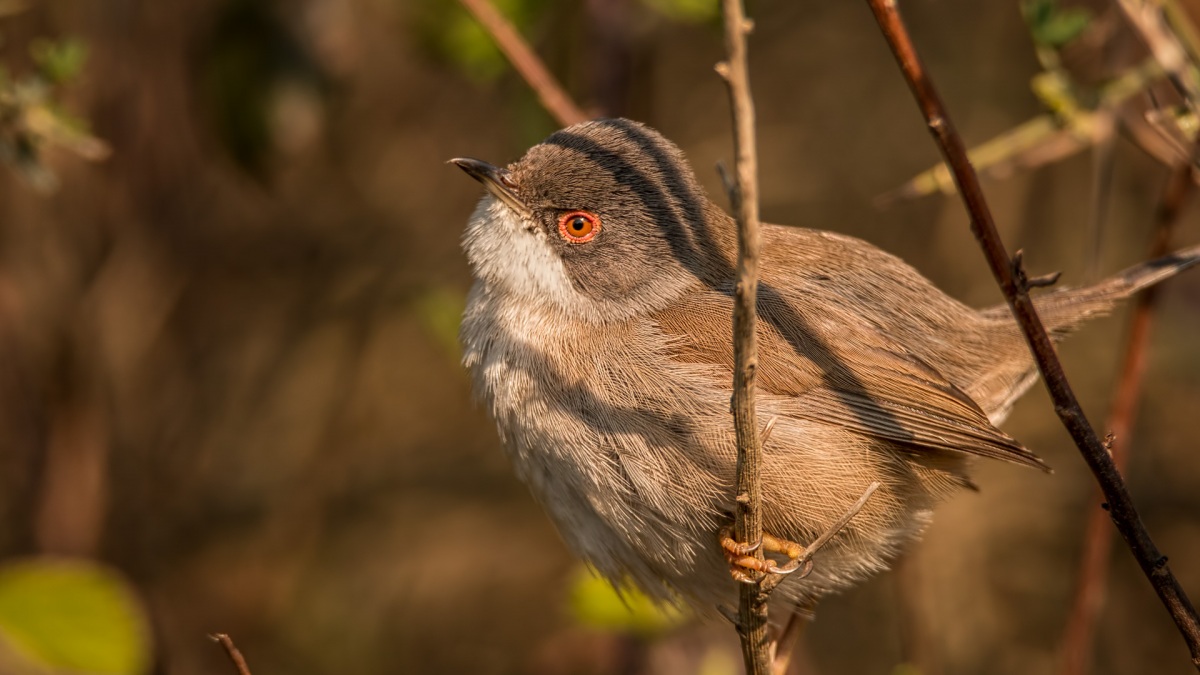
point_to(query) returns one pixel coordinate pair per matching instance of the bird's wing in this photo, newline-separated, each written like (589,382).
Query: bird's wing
(836,369)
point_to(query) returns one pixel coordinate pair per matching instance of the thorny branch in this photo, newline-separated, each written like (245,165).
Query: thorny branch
(757,646)
(235,655)
(1120,504)
(552,96)
(1078,638)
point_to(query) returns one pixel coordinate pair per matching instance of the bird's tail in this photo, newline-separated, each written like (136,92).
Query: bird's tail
(1065,308)
(1062,310)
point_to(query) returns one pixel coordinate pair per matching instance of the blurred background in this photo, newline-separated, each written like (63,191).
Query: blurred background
(230,286)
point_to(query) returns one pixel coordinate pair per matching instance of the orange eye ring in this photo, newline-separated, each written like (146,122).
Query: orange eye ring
(578,227)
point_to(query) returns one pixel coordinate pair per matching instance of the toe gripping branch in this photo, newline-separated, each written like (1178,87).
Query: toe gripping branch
(748,569)
(742,563)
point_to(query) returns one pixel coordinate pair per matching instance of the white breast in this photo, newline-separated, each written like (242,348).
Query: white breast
(514,255)
(622,493)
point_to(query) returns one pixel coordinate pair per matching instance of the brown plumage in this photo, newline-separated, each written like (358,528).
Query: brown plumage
(606,360)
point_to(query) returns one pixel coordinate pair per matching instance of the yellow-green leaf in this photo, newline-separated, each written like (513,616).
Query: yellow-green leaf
(60,60)
(697,11)
(440,310)
(595,603)
(73,615)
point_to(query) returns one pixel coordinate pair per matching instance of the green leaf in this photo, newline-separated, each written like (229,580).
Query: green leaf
(73,615)
(1053,26)
(440,311)
(695,11)
(454,35)
(1063,27)
(595,603)
(58,61)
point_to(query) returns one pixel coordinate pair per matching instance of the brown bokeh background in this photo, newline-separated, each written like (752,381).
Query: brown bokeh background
(228,362)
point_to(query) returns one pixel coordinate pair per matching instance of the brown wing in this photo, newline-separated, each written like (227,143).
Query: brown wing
(839,370)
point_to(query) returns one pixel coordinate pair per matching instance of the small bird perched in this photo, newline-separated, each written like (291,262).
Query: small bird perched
(598,335)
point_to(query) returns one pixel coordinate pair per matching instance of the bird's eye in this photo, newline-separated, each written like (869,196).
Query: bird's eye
(578,227)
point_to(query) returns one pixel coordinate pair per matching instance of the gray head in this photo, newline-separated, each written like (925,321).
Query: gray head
(602,220)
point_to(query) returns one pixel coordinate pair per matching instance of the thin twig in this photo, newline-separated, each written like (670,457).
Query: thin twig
(552,96)
(1075,652)
(752,605)
(1149,22)
(841,523)
(803,564)
(235,655)
(1121,508)
(789,639)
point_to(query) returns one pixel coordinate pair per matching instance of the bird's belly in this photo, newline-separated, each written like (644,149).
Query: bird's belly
(634,462)
(614,475)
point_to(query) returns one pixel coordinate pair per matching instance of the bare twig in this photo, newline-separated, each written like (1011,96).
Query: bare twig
(1076,649)
(841,523)
(1148,21)
(752,606)
(1121,508)
(803,565)
(789,640)
(554,99)
(235,655)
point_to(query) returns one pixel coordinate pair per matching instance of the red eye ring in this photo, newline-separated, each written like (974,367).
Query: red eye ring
(578,227)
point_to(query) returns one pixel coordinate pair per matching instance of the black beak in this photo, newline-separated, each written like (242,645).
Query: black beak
(498,181)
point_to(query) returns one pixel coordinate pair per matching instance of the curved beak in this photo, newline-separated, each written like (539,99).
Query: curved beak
(498,181)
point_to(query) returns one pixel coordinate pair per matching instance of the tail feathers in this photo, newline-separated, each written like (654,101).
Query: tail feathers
(995,388)
(1064,309)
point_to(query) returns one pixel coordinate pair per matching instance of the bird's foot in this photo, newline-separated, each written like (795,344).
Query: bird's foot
(743,565)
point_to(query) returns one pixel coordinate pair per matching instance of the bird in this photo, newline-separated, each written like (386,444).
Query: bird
(597,335)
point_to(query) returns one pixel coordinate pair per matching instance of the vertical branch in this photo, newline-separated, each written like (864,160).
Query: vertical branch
(1011,279)
(1078,638)
(532,70)
(752,609)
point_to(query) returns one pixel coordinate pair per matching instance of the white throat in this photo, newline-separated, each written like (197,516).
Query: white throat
(514,256)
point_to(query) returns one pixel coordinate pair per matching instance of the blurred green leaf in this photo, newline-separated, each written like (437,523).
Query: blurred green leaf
(595,603)
(1053,26)
(58,60)
(470,46)
(455,35)
(697,11)
(440,311)
(32,117)
(73,615)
